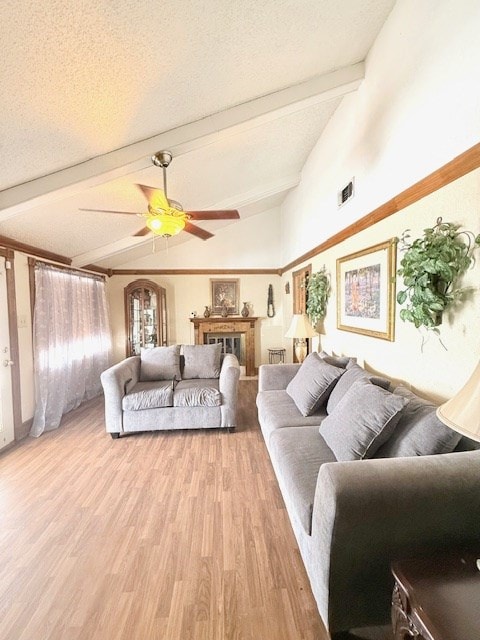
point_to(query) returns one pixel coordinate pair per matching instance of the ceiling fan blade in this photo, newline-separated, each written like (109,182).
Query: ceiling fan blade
(221,214)
(142,232)
(156,197)
(197,231)
(127,213)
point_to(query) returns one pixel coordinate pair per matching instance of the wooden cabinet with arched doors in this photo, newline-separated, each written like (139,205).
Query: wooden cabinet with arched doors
(145,316)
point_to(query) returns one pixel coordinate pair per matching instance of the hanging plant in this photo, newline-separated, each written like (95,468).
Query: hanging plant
(318,291)
(431,268)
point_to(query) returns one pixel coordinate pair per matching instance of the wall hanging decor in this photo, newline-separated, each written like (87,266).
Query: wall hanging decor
(431,267)
(270,305)
(366,291)
(224,296)
(318,291)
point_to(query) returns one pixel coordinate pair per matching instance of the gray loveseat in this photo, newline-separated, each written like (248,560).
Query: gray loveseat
(352,517)
(166,389)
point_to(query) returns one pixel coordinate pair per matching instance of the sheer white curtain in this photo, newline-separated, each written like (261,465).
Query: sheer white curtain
(72,342)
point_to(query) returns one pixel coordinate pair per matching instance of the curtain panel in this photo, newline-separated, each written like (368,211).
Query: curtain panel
(72,342)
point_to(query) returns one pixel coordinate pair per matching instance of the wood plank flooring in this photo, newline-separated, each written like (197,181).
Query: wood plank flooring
(167,535)
(179,535)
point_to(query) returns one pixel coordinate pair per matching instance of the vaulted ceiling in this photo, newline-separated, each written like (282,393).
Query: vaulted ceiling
(238,90)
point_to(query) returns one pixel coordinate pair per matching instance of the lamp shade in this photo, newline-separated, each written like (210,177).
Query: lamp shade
(300,327)
(462,412)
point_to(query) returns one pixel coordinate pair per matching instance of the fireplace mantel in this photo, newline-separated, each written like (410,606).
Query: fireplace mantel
(230,324)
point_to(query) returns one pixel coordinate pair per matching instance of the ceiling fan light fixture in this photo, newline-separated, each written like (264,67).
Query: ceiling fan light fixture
(165,225)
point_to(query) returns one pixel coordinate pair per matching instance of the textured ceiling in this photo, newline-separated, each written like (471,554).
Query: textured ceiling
(81,79)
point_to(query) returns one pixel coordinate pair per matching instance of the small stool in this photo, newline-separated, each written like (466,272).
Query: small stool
(275,356)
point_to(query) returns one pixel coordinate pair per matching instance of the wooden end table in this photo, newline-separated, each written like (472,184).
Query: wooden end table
(437,598)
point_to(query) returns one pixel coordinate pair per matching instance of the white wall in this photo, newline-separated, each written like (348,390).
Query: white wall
(435,371)
(417,108)
(252,243)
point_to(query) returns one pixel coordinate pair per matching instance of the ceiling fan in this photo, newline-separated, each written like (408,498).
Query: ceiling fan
(165,217)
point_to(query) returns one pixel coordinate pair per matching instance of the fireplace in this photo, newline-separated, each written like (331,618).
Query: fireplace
(235,333)
(231,343)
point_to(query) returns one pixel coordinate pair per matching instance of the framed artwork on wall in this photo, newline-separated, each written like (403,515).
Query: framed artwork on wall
(366,291)
(225,293)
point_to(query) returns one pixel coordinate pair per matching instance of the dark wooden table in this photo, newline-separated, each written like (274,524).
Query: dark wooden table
(437,598)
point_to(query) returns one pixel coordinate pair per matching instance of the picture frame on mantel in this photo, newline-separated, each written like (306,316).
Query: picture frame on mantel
(225,293)
(366,291)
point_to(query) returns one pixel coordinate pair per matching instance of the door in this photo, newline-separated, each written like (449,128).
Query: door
(6,400)
(299,285)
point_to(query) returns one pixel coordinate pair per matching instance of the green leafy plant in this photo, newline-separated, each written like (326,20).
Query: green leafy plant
(318,292)
(431,268)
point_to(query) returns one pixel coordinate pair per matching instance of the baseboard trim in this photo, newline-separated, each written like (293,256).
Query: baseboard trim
(24,430)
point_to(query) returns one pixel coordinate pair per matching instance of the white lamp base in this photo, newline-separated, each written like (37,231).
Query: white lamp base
(300,349)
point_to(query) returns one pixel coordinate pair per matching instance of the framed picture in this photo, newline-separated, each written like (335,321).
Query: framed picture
(225,293)
(366,291)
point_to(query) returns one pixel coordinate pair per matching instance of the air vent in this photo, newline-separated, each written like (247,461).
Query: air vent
(346,193)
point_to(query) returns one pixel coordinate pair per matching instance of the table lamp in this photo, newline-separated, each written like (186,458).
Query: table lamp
(300,329)
(462,412)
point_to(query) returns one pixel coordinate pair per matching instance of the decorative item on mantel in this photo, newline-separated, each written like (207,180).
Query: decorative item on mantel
(224,311)
(207,312)
(245,310)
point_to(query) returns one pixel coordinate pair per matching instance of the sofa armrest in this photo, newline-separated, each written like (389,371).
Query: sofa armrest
(114,381)
(276,376)
(228,386)
(370,512)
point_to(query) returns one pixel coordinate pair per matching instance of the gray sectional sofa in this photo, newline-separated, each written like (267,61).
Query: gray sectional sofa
(363,482)
(188,387)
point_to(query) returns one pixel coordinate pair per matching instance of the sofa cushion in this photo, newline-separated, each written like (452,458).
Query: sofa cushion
(362,421)
(419,432)
(202,360)
(312,383)
(354,372)
(345,362)
(277,410)
(160,363)
(197,393)
(148,395)
(298,453)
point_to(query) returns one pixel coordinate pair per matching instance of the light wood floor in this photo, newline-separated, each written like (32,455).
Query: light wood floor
(179,535)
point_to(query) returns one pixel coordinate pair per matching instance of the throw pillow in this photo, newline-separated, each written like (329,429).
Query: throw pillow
(160,363)
(419,432)
(353,373)
(338,361)
(202,360)
(312,383)
(362,421)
